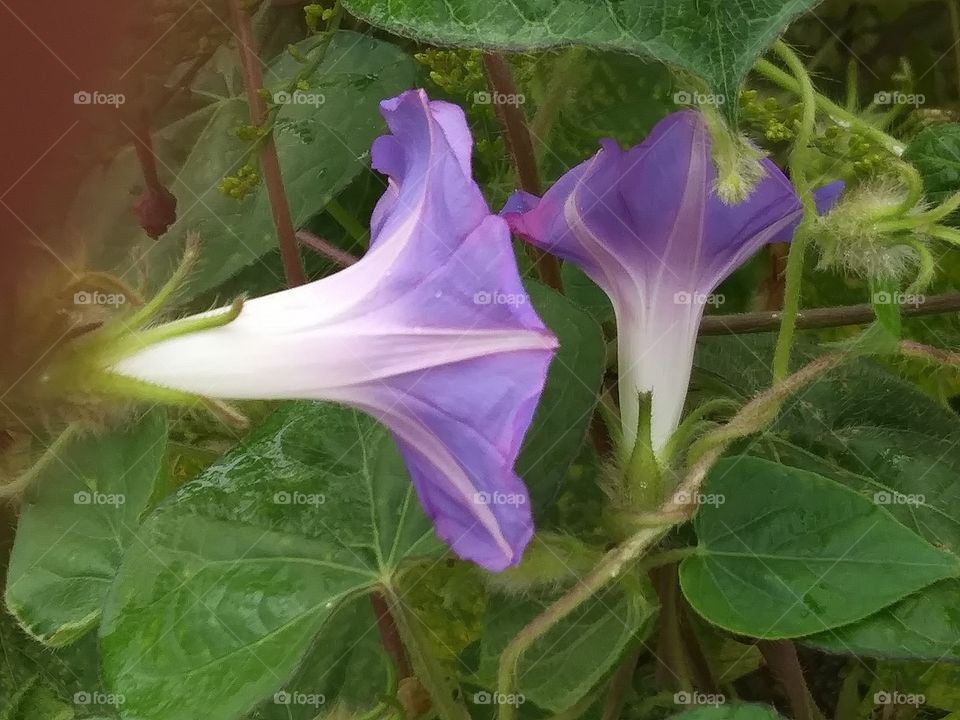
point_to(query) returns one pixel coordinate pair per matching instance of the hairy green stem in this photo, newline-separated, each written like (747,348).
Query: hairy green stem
(23,483)
(141,340)
(753,417)
(798,249)
(156,304)
(784,80)
(613,565)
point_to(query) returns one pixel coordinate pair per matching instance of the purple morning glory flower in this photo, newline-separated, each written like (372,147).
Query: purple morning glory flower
(408,334)
(647,227)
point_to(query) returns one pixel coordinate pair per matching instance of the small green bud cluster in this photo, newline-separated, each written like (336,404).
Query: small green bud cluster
(867,157)
(457,72)
(315,14)
(768,117)
(849,148)
(249,132)
(242,184)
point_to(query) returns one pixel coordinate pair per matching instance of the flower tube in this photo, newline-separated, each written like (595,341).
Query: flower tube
(405,335)
(647,226)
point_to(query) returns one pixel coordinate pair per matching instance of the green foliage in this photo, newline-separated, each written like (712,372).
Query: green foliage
(315,508)
(717,42)
(935,152)
(562,667)
(323,139)
(82,516)
(240,582)
(785,552)
(865,429)
(568,401)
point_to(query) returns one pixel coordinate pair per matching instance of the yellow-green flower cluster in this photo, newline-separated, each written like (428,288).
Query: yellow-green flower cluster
(242,184)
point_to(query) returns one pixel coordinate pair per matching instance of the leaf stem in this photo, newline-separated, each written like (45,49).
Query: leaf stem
(784,80)
(754,416)
(798,249)
(390,635)
(327,249)
(269,159)
(819,318)
(954,6)
(23,483)
(427,668)
(348,222)
(516,133)
(781,657)
(619,686)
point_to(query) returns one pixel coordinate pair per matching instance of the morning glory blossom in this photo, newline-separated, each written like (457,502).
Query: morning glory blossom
(646,225)
(406,335)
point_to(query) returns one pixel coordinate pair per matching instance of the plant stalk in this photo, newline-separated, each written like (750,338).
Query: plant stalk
(269,159)
(516,133)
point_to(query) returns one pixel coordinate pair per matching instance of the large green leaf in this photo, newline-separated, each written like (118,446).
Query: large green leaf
(569,661)
(346,667)
(570,396)
(935,152)
(322,147)
(914,476)
(228,584)
(736,711)
(789,553)
(719,40)
(867,429)
(74,529)
(923,626)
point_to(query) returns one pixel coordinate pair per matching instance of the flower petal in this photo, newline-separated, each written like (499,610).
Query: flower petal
(431,333)
(646,225)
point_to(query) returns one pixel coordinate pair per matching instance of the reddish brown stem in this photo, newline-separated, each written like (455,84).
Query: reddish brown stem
(327,249)
(156,208)
(143,144)
(516,134)
(390,636)
(822,317)
(269,160)
(774,287)
(930,353)
(781,658)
